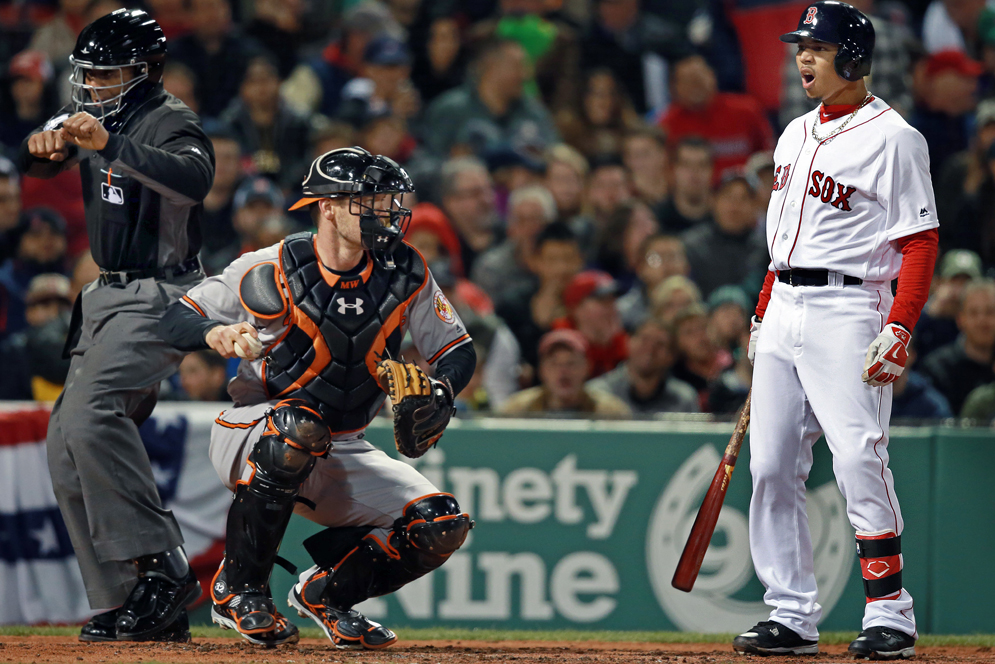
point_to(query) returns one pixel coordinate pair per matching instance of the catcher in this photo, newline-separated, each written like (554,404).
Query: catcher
(319,319)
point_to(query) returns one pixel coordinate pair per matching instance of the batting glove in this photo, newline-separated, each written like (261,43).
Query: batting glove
(886,356)
(751,352)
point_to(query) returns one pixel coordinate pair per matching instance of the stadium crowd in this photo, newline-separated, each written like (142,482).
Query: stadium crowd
(592,179)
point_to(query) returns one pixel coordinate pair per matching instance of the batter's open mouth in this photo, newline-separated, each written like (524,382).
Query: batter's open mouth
(807,78)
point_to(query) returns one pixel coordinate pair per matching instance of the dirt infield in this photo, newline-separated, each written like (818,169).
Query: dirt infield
(224,651)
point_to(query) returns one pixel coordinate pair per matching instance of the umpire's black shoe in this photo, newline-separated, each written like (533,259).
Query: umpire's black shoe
(882,643)
(773,638)
(166,585)
(102,627)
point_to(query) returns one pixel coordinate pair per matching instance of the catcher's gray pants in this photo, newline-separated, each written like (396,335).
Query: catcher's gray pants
(100,470)
(355,485)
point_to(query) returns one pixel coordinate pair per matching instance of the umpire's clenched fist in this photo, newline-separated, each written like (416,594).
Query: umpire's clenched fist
(48,145)
(85,131)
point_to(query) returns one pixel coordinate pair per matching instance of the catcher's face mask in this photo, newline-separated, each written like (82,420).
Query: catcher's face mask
(383,221)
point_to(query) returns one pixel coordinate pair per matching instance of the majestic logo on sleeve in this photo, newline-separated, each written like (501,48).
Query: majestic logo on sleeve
(443,309)
(829,191)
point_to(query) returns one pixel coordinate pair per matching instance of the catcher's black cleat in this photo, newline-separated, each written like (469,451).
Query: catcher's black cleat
(252,614)
(773,638)
(348,630)
(102,627)
(882,643)
(166,585)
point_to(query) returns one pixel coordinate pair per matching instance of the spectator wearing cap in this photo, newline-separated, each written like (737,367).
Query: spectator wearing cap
(316,85)
(962,179)
(383,85)
(893,45)
(27,98)
(216,225)
(33,366)
(643,381)
(512,169)
(638,46)
(563,370)
(591,303)
(552,46)
(468,200)
(728,316)
(204,377)
(256,200)
(40,238)
(10,206)
(605,114)
(727,250)
(504,268)
(271,134)
(937,324)
(690,200)
(961,366)
(734,124)
(491,109)
(566,172)
(530,311)
(699,360)
(644,153)
(946,93)
(217,51)
(660,257)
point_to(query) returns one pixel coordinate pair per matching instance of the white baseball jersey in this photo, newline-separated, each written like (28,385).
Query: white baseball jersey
(839,205)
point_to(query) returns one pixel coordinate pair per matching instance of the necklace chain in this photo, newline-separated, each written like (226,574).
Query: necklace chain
(832,134)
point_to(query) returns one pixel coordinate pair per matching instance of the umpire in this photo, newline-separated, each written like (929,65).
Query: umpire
(146,167)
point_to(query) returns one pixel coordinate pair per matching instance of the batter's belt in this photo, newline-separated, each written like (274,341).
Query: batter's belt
(816,278)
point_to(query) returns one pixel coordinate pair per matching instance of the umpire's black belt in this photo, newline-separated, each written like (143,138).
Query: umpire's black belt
(166,273)
(816,278)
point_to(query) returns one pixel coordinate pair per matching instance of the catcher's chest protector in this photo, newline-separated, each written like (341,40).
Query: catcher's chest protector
(339,329)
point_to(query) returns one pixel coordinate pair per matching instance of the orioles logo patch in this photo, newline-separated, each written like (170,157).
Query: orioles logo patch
(443,309)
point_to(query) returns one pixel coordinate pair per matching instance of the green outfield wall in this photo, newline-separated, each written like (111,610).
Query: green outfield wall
(580,525)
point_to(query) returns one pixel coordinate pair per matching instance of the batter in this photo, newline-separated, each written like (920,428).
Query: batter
(852,209)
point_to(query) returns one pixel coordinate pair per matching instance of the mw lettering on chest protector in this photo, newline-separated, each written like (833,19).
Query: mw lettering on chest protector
(338,332)
(827,190)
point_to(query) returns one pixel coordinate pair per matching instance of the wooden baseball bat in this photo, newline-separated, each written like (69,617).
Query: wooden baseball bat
(708,514)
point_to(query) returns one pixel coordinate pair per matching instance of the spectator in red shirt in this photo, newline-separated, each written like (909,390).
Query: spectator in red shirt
(590,299)
(734,124)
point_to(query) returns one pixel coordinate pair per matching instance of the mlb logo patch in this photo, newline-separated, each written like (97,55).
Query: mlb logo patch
(111,194)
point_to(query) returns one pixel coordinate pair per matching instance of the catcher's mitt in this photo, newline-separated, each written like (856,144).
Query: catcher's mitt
(422,406)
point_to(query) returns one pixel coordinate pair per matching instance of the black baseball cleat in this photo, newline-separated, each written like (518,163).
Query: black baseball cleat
(348,630)
(166,585)
(882,643)
(773,638)
(102,627)
(252,614)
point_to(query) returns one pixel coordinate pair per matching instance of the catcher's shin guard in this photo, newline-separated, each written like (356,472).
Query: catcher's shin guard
(281,460)
(430,529)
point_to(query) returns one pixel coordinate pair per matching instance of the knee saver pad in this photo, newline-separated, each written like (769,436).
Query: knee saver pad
(434,525)
(295,436)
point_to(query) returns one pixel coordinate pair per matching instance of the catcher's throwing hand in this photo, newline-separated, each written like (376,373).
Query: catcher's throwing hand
(886,356)
(422,406)
(85,131)
(226,338)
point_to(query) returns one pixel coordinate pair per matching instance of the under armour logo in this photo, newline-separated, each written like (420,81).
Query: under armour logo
(923,213)
(357,306)
(810,16)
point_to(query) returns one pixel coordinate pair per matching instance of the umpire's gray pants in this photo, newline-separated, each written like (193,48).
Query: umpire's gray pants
(100,470)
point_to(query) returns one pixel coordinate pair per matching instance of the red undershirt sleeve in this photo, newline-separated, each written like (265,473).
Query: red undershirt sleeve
(765,294)
(918,260)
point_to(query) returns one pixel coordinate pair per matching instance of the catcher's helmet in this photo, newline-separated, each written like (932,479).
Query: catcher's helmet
(362,176)
(123,38)
(839,23)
